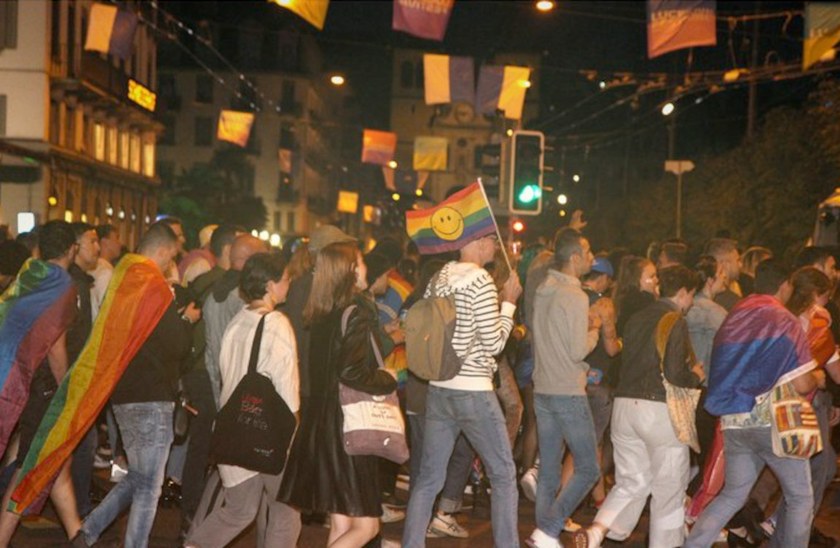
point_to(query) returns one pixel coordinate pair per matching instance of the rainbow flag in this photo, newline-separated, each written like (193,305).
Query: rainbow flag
(136,299)
(378,147)
(34,311)
(463,217)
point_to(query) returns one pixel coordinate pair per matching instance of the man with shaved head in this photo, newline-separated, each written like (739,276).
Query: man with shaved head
(223,303)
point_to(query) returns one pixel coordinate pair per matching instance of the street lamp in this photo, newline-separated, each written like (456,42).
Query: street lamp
(667,108)
(337,80)
(392,164)
(562,199)
(545,5)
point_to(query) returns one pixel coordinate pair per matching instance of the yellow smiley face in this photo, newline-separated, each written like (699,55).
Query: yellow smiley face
(447,224)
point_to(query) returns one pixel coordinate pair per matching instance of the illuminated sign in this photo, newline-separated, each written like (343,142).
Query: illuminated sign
(141,95)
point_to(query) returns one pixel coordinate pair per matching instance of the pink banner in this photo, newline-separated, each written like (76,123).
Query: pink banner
(423,18)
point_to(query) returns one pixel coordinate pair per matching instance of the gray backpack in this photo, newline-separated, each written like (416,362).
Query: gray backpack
(429,329)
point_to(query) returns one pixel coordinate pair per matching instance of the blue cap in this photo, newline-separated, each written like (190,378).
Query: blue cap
(602,266)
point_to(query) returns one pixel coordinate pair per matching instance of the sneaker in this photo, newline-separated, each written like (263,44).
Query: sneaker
(100,462)
(571,526)
(388,543)
(117,473)
(391,515)
(447,525)
(431,533)
(587,538)
(528,483)
(539,539)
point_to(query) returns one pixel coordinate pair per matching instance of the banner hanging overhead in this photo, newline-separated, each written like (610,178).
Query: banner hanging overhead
(378,147)
(313,12)
(430,153)
(822,31)
(678,24)
(422,18)
(503,88)
(235,127)
(111,30)
(448,79)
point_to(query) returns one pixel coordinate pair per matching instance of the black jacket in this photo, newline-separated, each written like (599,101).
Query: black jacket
(153,373)
(640,374)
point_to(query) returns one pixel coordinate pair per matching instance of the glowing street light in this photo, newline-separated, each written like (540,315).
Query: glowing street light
(392,164)
(576,178)
(337,80)
(395,196)
(562,199)
(668,108)
(545,5)
(418,192)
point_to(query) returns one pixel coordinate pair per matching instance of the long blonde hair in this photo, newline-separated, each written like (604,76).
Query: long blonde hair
(333,281)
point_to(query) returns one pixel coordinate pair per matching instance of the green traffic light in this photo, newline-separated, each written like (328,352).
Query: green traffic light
(529,194)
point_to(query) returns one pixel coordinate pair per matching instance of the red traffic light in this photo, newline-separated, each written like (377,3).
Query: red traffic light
(518,226)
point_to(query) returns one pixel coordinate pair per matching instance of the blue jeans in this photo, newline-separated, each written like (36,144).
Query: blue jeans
(479,416)
(146,430)
(561,421)
(457,470)
(747,450)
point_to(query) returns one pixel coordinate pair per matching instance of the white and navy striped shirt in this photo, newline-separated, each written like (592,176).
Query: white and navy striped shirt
(481,328)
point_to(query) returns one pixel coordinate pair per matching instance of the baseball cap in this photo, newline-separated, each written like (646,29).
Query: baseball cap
(325,235)
(602,265)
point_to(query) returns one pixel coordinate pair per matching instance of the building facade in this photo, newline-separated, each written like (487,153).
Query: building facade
(294,146)
(466,130)
(77,128)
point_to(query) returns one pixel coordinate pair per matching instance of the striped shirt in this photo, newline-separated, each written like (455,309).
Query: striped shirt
(481,327)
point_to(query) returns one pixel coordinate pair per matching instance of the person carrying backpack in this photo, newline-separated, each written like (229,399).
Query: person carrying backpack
(466,402)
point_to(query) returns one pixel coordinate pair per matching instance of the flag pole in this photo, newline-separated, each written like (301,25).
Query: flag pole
(495,224)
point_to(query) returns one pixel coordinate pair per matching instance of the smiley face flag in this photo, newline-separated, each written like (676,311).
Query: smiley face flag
(463,217)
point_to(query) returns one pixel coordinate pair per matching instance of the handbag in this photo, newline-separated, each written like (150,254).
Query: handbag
(795,430)
(255,427)
(682,402)
(372,425)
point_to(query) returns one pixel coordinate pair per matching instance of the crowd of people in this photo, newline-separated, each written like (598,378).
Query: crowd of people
(563,391)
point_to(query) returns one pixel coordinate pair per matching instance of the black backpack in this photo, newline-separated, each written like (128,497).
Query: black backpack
(255,427)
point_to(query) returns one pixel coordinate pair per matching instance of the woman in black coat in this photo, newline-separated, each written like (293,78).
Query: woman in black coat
(320,476)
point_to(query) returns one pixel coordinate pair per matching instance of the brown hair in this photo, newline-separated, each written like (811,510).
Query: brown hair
(300,262)
(333,281)
(629,276)
(808,283)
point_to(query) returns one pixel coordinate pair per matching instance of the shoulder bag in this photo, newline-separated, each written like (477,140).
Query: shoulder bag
(373,425)
(682,402)
(255,427)
(795,430)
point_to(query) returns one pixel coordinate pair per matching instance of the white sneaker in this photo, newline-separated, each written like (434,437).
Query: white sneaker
(447,525)
(117,473)
(571,526)
(528,483)
(391,515)
(388,543)
(540,539)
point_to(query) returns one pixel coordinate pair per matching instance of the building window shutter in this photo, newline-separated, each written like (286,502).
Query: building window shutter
(8,24)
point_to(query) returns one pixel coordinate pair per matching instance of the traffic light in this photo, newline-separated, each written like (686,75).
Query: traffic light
(526,172)
(518,226)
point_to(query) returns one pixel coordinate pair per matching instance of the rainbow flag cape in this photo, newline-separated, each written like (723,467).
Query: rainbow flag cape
(34,312)
(759,345)
(136,299)
(463,217)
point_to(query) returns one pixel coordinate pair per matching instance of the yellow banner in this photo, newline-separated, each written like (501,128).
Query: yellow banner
(348,202)
(235,127)
(430,153)
(313,12)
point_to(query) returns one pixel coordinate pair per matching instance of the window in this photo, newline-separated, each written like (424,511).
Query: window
(99,141)
(287,102)
(203,88)
(406,74)
(149,154)
(113,148)
(8,24)
(287,137)
(124,149)
(290,221)
(168,137)
(135,153)
(419,75)
(277,218)
(2,115)
(203,131)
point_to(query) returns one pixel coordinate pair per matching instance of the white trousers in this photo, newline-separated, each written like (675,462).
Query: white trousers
(649,461)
